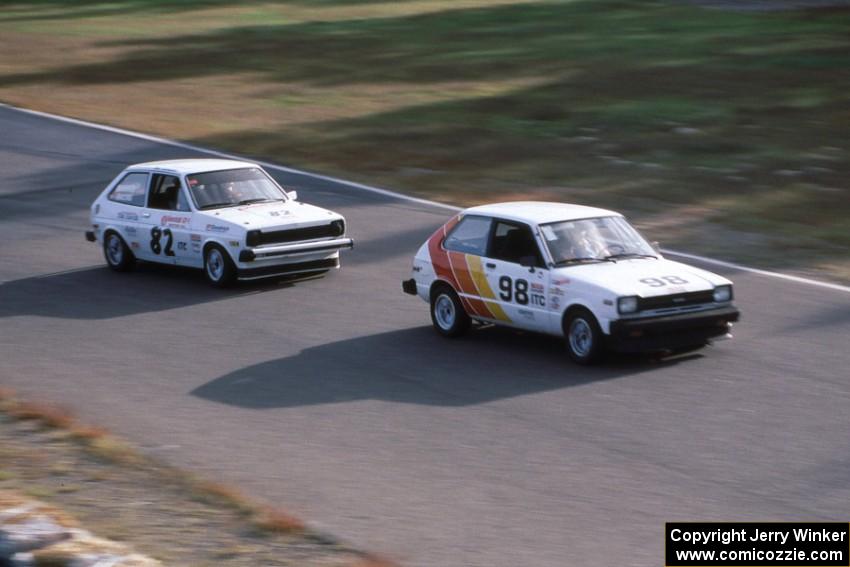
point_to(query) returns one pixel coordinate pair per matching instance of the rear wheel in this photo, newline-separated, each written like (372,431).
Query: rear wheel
(218,267)
(118,255)
(447,312)
(583,337)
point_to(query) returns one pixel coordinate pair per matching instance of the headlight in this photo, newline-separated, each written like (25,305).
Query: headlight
(723,293)
(627,304)
(252,238)
(338,227)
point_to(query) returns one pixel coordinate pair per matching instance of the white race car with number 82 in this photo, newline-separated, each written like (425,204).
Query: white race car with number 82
(578,272)
(229,218)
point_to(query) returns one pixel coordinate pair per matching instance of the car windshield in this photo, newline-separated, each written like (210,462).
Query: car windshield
(596,239)
(233,187)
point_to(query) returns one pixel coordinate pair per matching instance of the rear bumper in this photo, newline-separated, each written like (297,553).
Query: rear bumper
(409,286)
(271,252)
(671,331)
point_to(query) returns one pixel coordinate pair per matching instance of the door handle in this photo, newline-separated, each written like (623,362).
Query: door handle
(491,265)
(146,215)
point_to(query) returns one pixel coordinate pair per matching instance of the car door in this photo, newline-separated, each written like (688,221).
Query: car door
(168,218)
(515,270)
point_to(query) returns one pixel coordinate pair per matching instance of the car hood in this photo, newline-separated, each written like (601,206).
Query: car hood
(640,276)
(290,214)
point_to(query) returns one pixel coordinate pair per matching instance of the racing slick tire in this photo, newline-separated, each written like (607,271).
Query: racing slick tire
(218,267)
(447,313)
(583,337)
(118,255)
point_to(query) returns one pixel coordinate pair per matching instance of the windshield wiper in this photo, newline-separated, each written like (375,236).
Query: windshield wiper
(579,260)
(629,255)
(255,200)
(217,205)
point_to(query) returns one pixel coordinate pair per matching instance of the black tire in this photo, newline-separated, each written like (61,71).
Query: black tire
(118,255)
(447,313)
(583,337)
(218,267)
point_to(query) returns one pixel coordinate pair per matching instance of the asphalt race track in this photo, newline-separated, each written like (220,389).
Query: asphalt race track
(334,399)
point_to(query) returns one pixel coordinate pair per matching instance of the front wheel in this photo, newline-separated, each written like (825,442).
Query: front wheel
(118,255)
(583,337)
(447,313)
(218,267)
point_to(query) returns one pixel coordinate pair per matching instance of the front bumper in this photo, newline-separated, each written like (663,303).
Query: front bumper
(671,331)
(290,269)
(271,252)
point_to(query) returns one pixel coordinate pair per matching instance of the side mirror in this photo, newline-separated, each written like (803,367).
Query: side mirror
(293,195)
(528,262)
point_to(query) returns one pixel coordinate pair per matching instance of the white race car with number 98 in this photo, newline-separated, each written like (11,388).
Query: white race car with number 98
(578,272)
(229,218)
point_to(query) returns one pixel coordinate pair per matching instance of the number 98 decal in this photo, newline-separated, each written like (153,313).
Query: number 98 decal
(664,280)
(517,291)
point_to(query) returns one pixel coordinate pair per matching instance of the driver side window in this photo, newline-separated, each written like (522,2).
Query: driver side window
(166,194)
(512,242)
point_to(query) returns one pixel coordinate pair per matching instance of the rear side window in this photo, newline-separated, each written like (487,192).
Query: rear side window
(131,190)
(469,236)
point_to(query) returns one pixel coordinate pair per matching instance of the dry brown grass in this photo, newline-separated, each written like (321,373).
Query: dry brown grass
(276,522)
(100,442)
(47,414)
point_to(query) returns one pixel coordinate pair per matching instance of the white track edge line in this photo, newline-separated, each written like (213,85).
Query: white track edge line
(779,275)
(386,192)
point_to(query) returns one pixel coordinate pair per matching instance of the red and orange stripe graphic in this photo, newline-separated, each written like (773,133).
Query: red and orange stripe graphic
(464,273)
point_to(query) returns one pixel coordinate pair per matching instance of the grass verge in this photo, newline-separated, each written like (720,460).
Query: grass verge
(720,131)
(163,512)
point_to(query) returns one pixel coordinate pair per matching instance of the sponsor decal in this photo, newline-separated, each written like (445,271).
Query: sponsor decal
(196,237)
(134,245)
(279,213)
(124,215)
(555,301)
(130,230)
(196,247)
(537,299)
(527,313)
(173,221)
(561,281)
(217,228)
(234,243)
(556,291)
(537,287)
(181,246)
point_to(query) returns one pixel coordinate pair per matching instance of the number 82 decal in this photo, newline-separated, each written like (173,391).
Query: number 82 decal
(664,280)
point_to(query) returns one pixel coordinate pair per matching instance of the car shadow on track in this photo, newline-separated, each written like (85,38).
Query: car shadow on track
(98,293)
(417,366)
